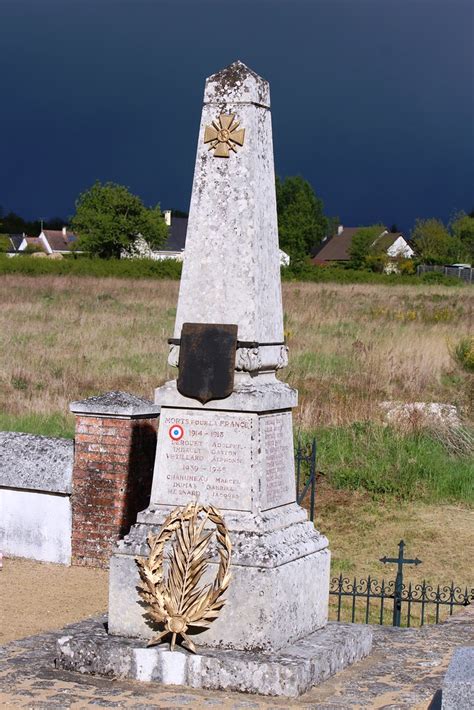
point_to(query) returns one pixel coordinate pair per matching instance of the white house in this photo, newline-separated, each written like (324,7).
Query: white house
(51,241)
(337,248)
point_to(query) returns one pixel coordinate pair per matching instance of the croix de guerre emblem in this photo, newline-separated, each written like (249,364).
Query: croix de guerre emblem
(224,135)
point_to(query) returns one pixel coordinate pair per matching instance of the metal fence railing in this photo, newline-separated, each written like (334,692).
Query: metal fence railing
(369,601)
(305,467)
(466,273)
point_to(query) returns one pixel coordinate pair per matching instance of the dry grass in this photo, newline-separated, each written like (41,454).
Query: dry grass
(361,531)
(351,346)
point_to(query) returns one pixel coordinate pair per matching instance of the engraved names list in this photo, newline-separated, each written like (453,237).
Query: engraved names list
(205,455)
(279,467)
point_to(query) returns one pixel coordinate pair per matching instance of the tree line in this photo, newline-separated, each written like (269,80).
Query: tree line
(109,218)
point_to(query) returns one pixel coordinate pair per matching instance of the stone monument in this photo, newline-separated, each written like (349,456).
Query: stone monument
(225,433)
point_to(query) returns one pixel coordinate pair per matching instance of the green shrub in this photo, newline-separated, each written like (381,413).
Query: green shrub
(344,274)
(436,277)
(5,244)
(386,462)
(87,266)
(82,265)
(463,353)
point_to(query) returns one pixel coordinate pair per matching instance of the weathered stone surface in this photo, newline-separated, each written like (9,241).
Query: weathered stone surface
(291,672)
(406,666)
(251,394)
(116,404)
(235,453)
(239,84)
(35,488)
(35,462)
(232,460)
(206,455)
(269,589)
(425,414)
(232,259)
(458,684)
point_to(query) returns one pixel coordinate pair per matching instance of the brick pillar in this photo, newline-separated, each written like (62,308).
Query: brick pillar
(114,453)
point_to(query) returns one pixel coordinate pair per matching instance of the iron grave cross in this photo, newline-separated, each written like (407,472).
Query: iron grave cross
(400,560)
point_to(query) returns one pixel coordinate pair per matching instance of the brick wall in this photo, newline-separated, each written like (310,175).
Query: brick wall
(112,476)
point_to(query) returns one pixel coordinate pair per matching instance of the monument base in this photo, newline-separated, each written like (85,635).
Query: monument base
(278,592)
(289,672)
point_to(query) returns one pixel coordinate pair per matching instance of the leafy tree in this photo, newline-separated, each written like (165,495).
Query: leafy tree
(12,223)
(109,219)
(301,221)
(332,225)
(4,242)
(434,243)
(462,228)
(362,245)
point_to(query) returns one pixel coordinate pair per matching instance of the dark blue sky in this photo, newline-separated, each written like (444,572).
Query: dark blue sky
(372,100)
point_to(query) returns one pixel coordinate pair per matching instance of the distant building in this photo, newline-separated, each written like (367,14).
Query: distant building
(11,243)
(173,248)
(337,248)
(32,242)
(52,242)
(16,240)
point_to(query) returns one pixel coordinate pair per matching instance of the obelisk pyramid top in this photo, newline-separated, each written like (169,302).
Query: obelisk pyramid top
(237,84)
(231,269)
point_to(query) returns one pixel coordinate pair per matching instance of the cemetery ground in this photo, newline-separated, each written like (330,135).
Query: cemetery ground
(351,347)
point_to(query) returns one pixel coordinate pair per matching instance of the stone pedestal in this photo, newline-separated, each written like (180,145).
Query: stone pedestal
(235,451)
(243,463)
(289,672)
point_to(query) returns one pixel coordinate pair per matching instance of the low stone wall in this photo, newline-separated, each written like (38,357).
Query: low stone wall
(69,502)
(35,497)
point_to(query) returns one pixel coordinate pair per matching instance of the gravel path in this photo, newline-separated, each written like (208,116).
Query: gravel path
(404,672)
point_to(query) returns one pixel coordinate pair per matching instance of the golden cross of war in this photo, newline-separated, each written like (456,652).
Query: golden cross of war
(223,135)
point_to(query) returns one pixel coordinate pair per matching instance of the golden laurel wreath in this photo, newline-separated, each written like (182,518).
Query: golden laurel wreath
(177,600)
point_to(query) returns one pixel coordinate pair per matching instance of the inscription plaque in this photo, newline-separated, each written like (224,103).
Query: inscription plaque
(278,479)
(207,456)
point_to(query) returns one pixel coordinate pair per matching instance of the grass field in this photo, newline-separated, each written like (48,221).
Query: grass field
(351,347)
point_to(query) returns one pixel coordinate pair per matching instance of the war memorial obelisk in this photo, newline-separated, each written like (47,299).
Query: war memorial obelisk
(225,433)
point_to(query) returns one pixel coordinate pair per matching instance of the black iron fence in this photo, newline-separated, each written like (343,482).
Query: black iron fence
(369,601)
(305,465)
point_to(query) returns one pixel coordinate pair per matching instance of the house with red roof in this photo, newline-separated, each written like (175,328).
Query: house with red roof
(51,241)
(338,247)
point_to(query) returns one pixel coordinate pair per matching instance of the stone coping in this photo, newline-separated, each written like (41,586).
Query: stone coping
(38,463)
(249,395)
(116,404)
